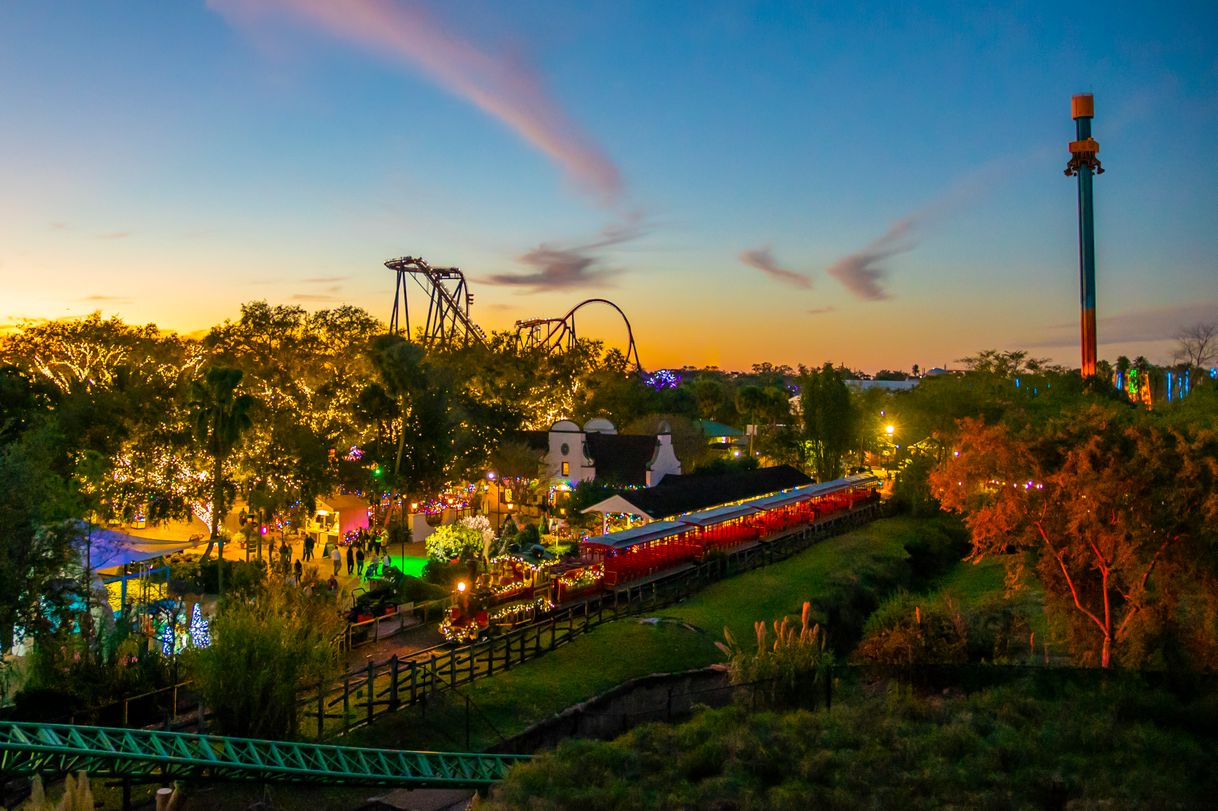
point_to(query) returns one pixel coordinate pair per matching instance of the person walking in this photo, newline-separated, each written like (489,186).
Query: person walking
(372,571)
(308,547)
(350,560)
(337,557)
(297,571)
(285,554)
(359,561)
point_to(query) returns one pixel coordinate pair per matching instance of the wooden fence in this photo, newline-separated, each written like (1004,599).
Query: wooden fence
(363,694)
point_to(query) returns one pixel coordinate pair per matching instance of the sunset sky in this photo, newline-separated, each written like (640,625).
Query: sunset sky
(877,185)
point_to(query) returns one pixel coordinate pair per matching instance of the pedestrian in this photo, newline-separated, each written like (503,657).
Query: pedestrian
(308,547)
(350,560)
(337,557)
(285,554)
(372,566)
(332,583)
(376,543)
(297,571)
(359,561)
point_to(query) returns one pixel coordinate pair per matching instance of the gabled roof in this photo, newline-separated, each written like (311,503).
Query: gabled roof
(675,495)
(622,458)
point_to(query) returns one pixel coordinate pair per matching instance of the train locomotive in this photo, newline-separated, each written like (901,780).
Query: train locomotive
(516,591)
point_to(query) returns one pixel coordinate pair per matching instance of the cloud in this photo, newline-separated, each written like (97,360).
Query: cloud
(59,226)
(325,279)
(577,266)
(762,259)
(115,235)
(501,87)
(321,297)
(821,310)
(102,298)
(862,273)
(1134,326)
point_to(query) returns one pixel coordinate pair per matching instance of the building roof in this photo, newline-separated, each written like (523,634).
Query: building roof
(537,440)
(341,502)
(622,458)
(717,514)
(636,535)
(675,495)
(711,428)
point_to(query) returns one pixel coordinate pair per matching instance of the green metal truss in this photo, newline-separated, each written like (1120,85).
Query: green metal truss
(146,755)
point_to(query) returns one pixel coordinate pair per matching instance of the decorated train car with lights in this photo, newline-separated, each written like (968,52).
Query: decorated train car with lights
(515,591)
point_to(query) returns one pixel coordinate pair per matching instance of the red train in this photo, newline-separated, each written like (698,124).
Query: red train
(515,590)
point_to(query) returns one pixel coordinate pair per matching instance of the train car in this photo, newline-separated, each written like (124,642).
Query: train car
(514,591)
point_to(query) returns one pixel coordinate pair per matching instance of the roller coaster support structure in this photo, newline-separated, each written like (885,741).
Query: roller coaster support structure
(448,302)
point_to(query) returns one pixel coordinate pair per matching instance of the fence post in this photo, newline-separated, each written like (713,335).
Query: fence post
(554,626)
(393,687)
(452,668)
(346,698)
(321,708)
(371,676)
(126,712)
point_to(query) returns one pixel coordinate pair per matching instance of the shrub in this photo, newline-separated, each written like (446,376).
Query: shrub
(790,668)
(909,630)
(263,650)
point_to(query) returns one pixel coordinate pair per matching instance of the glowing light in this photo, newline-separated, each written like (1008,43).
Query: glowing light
(461,586)
(200,629)
(888,429)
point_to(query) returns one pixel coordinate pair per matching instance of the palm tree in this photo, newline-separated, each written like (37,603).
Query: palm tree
(220,416)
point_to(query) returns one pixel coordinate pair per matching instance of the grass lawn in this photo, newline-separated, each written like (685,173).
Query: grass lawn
(628,648)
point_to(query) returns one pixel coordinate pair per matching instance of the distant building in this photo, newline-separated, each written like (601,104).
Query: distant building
(572,454)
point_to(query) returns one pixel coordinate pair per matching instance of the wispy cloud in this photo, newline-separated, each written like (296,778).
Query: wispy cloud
(98,297)
(325,279)
(59,226)
(499,86)
(763,259)
(821,310)
(862,272)
(1134,326)
(115,235)
(318,297)
(865,272)
(556,267)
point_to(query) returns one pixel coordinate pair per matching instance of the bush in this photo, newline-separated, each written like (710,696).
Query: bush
(446,574)
(789,670)
(414,590)
(908,630)
(263,650)
(241,579)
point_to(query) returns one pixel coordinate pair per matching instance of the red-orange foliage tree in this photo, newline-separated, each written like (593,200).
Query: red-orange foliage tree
(1112,504)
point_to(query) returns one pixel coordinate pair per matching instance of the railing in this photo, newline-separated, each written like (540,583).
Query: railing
(364,694)
(369,632)
(131,754)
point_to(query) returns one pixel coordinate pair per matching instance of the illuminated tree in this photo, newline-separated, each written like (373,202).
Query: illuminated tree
(1111,505)
(221,416)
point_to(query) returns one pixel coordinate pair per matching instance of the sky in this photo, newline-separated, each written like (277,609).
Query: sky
(879,185)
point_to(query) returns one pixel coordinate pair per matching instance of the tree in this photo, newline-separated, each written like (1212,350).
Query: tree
(263,651)
(221,416)
(829,420)
(1110,504)
(36,538)
(1197,345)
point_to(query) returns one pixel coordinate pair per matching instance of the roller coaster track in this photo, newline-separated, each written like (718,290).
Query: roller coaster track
(149,756)
(558,334)
(448,301)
